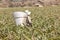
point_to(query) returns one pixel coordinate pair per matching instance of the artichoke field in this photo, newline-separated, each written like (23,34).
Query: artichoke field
(45,24)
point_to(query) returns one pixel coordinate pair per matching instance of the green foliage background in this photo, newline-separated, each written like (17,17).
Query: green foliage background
(45,24)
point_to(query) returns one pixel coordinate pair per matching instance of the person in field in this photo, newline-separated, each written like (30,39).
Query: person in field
(23,18)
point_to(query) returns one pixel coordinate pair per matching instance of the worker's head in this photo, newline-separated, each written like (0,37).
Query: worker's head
(28,12)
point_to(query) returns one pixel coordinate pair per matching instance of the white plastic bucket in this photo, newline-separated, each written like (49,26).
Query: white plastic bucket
(20,18)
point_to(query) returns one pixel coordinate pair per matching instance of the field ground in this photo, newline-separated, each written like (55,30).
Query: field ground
(45,24)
